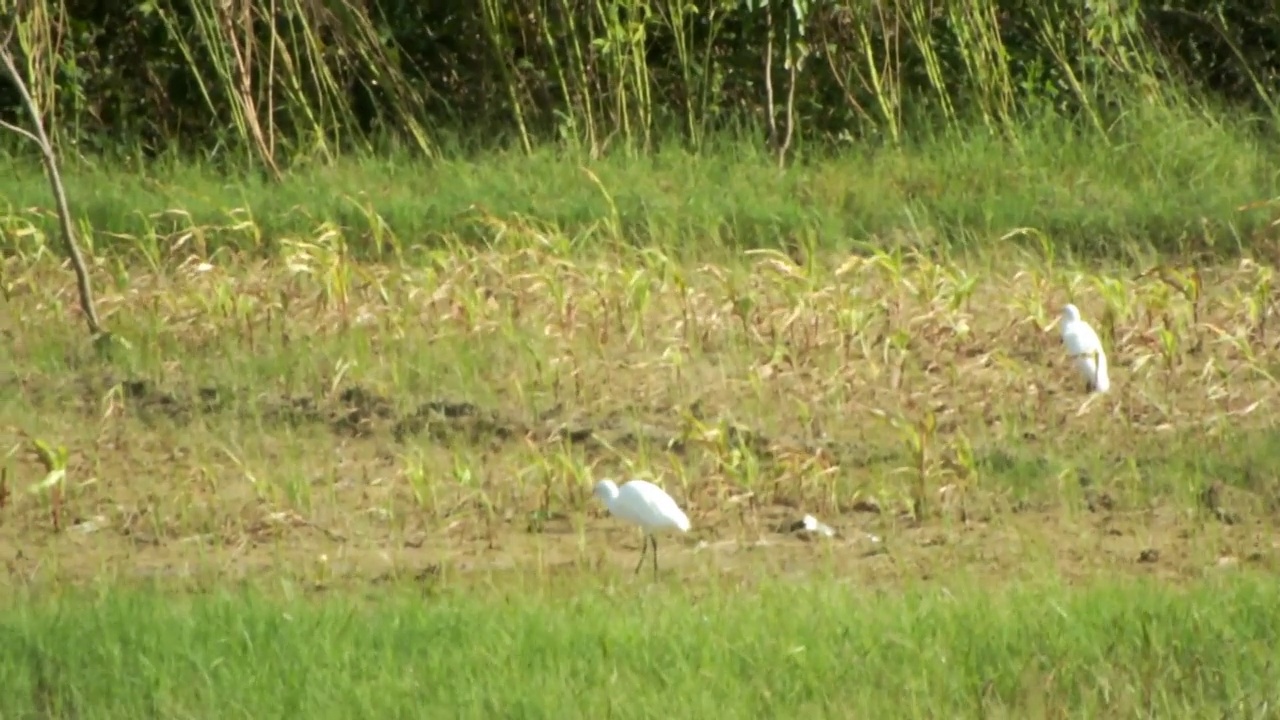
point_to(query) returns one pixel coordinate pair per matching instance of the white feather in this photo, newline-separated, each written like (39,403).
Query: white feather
(1085,349)
(642,503)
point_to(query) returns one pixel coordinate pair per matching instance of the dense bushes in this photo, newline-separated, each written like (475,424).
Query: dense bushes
(309,77)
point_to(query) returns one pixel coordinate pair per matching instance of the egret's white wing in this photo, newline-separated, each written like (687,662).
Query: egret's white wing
(649,505)
(1085,350)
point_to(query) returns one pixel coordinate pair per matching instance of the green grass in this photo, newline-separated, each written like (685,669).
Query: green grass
(1162,177)
(816,649)
(560,324)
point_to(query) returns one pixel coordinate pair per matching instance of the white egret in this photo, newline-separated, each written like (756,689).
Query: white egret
(642,503)
(1085,349)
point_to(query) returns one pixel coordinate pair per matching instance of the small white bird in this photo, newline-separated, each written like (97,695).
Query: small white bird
(642,503)
(1084,347)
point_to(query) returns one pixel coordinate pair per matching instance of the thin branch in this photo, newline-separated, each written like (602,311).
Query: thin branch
(768,78)
(792,71)
(24,133)
(59,194)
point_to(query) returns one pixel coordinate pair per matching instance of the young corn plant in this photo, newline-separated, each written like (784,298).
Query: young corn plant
(52,487)
(918,438)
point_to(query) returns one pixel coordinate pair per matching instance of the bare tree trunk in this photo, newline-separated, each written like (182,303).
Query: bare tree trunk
(40,138)
(770,107)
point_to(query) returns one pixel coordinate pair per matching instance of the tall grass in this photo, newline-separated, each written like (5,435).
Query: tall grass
(902,121)
(1158,180)
(289,81)
(276,74)
(821,649)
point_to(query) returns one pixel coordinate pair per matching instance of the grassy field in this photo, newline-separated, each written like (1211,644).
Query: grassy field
(1165,177)
(343,465)
(602,648)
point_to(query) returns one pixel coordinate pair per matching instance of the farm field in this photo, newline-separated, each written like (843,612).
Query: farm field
(381,468)
(390,288)
(451,417)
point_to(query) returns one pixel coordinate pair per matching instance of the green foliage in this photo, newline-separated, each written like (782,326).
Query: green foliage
(294,80)
(1161,178)
(821,649)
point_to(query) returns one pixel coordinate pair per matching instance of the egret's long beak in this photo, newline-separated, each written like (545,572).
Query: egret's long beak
(1053,324)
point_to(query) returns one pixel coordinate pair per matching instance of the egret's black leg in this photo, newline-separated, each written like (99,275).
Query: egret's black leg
(643,549)
(655,557)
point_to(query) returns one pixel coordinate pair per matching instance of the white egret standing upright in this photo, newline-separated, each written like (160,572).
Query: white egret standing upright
(642,503)
(1085,349)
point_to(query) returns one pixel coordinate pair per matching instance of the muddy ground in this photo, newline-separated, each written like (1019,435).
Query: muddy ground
(158,487)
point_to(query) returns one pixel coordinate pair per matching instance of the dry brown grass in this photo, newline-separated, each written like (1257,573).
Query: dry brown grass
(329,419)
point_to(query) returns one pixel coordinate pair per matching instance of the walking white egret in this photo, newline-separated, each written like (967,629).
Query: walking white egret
(642,503)
(1085,349)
